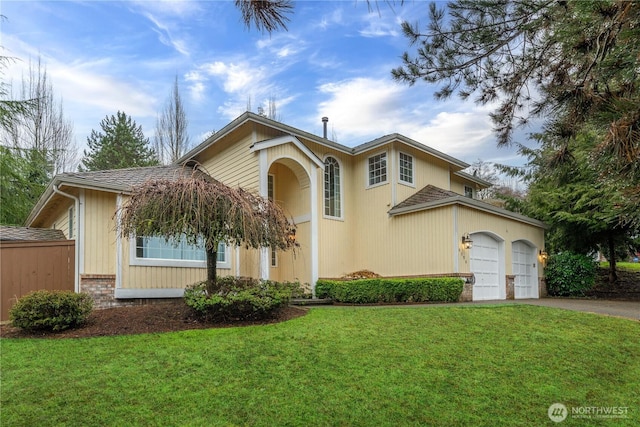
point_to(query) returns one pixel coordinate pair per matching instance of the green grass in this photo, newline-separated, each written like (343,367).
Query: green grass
(457,365)
(630,266)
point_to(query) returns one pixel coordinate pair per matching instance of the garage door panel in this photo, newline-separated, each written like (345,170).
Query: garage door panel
(523,268)
(484,265)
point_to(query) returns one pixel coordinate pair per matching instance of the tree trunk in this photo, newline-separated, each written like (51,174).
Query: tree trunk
(613,276)
(212,264)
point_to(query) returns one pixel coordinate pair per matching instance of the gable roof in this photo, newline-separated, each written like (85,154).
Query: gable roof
(431,197)
(122,180)
(112,180)
(428,194)
(9,233)
(290,130)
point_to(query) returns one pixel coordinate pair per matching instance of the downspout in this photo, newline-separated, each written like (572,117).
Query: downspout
(76,284)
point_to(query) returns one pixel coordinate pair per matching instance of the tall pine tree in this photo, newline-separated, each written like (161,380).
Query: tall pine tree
(121,144)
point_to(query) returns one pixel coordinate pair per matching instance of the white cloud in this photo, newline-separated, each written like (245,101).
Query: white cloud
(336,17)
(363,109)
(377,27)
(165,35)
(236,77)
(177,8)
(282,45)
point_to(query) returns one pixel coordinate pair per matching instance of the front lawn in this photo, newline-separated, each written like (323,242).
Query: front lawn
(457,365)
(629,266)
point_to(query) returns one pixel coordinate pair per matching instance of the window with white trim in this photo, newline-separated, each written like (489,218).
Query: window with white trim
(468,191)
(271,183)
(332,201)
(406,168)
(158,249)
(270,187)
(378,169)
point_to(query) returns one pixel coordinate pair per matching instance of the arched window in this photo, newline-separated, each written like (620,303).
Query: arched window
(332,188)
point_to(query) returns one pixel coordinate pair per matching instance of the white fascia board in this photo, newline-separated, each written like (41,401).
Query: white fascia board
(372,145)
(465,201)
(472,178)
(286,139)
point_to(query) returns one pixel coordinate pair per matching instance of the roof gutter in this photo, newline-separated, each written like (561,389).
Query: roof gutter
(465,201)
(76,284)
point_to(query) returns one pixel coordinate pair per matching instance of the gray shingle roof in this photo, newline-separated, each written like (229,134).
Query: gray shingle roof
(8,233)
(125,179)
(430,193)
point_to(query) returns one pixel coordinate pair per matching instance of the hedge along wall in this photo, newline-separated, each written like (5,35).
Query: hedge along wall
(371,291)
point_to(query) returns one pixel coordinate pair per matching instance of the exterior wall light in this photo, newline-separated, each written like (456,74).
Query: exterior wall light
(467,243)
(543,255)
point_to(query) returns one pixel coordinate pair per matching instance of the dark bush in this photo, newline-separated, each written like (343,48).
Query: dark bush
(371,291)
(51,310)
(239,299)
(570,274)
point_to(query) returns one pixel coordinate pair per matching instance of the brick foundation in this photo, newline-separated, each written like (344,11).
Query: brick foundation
(101,287)
(510,287)
(467,292)
(542,287)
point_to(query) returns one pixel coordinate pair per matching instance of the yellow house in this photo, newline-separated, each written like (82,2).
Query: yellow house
(393,205)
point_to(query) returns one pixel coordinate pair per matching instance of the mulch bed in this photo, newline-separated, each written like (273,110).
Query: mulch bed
(145,319)
(627,287)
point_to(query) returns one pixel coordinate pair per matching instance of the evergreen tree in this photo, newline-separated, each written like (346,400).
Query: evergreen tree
(584,207)
(23,178)
(573,64)
(121,144)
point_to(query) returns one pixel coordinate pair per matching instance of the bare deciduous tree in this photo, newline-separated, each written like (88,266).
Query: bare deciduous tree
(172,139)
(43,127)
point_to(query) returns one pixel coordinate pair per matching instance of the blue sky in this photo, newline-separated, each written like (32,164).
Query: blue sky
(335,61)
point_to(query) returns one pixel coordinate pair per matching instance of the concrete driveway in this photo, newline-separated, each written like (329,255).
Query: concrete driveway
(628,309)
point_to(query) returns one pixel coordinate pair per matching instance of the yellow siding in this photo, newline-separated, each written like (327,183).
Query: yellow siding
(295,264)
(294,200)
(336,247)
(234,165)
(419,243)
(370,227)
(142,277)
(99,232)
(336,236)
(457,185)
(60,219)
(249,262)
(428,170)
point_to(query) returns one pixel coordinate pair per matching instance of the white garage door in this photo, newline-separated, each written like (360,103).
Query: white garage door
(484,265)
(523,267)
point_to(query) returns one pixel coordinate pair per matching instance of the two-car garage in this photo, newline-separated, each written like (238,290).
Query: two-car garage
(487,263)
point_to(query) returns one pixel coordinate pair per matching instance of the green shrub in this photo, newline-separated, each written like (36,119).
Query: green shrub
(569,274)
(51,310)
(371,291)
(239,299)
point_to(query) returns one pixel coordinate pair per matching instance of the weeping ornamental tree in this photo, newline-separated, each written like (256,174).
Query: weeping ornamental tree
(205,212)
